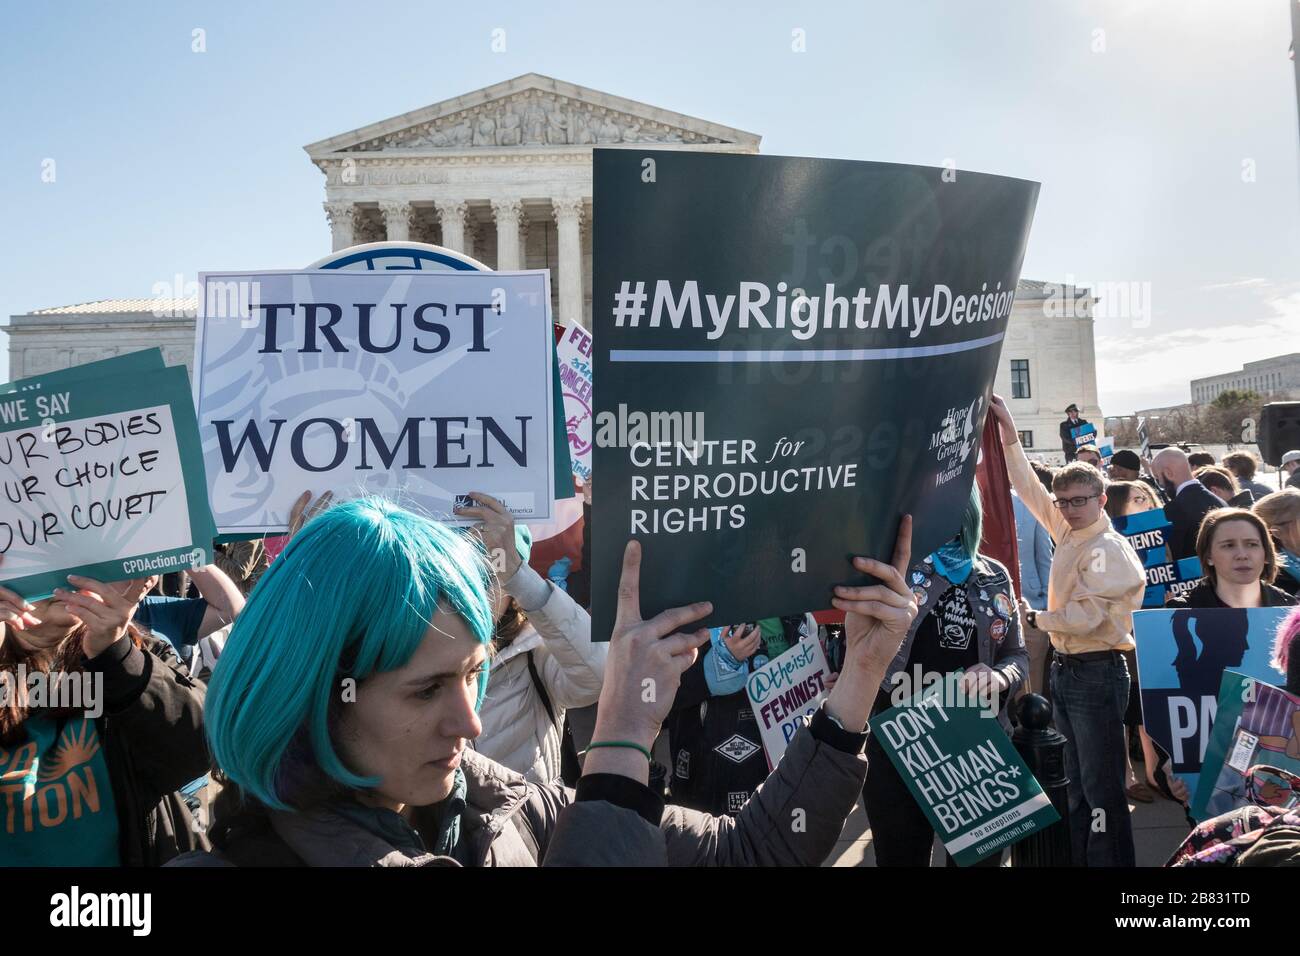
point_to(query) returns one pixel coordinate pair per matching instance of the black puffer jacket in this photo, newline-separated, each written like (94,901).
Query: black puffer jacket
(152,728)
(1204,595)
(507,821)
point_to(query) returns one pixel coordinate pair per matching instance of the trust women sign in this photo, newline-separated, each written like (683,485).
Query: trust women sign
(422,386)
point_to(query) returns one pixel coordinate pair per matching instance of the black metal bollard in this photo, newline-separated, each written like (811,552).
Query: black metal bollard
(1043,749)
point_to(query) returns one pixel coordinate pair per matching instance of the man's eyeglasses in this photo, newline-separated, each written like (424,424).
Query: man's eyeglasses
(1076,502)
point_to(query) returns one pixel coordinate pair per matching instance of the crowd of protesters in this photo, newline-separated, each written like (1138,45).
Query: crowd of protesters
(378,688)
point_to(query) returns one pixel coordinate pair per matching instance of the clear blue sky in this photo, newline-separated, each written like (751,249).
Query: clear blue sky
(170,161)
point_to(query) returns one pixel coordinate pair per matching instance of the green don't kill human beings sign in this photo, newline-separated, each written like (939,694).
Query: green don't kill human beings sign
(963,772)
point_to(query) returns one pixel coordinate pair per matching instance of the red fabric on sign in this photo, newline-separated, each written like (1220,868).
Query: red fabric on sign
(995,496)
(999,539)
(566,544)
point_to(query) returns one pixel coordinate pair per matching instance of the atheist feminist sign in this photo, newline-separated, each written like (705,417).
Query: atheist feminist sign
(792,354)
(421,386)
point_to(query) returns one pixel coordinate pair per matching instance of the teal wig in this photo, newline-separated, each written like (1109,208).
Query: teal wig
(972,523)
(353,594)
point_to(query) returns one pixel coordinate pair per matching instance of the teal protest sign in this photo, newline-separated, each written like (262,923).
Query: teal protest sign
(100,476)
(963,772)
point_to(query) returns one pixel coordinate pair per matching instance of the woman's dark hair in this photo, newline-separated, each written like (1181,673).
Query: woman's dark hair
(1118,494)
(509,624)
(66,657)
(1205,541)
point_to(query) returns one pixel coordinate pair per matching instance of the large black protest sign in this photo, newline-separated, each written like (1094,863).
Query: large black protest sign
(791,354)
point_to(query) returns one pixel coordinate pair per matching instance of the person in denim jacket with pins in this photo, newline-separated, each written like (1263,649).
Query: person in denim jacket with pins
(967,622)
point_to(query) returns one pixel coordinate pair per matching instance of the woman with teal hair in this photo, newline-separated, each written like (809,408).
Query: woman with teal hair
(342,715)
(968,623)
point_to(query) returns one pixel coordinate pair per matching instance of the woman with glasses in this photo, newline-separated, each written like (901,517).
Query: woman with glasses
(1129,498)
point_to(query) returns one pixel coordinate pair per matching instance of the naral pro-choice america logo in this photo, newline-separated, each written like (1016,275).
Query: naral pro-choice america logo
(955,439)
(737,749)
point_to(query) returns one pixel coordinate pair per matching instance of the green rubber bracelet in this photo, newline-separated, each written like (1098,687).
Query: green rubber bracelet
(621,743)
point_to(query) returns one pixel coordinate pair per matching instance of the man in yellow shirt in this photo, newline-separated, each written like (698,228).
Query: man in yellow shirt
(1095,585)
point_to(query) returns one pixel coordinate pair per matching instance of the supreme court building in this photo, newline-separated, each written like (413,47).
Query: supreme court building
(504,175)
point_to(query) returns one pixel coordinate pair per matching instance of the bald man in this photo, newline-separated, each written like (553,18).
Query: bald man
(1189,500)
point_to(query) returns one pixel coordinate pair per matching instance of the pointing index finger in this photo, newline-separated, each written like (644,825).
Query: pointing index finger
(629,583)
(903,546)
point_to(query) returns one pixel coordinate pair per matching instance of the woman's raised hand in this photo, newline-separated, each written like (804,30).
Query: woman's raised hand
(642,673)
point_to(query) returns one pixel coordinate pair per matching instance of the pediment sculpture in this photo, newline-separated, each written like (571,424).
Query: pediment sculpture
(532,120)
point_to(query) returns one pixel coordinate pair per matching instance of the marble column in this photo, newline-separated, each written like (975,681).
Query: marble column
(399,216)
(473,238)
(568,219)
(523,240)
(451,215)
(342,217)
(507,214)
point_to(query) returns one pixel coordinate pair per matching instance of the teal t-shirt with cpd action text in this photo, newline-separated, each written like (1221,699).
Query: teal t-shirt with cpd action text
(56,802)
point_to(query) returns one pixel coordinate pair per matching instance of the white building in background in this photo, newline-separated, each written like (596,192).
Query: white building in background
(1048,362)
(503,174)
(1277,378)
(50,339)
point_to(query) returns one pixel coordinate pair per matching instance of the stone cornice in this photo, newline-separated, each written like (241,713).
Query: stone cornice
(509,154)
(529,88)
(118,322)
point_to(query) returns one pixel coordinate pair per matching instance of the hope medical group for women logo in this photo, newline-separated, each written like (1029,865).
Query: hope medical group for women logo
(955,439)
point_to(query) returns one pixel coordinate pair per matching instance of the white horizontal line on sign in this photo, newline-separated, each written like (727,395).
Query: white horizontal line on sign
(979,834)
(796,355)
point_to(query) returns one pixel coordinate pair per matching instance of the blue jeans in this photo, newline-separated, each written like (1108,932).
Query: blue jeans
(1089,698)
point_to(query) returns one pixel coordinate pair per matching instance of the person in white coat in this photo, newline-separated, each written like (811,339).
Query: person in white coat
(544,660)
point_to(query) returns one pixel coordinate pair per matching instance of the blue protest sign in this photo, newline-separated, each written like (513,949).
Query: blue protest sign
(1085,434)
(1182,654)
(1146,533)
